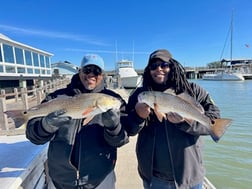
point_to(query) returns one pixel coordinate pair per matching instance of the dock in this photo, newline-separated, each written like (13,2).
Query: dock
(24,165)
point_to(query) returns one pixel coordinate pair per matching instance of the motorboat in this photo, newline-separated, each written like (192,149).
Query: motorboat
(127,75)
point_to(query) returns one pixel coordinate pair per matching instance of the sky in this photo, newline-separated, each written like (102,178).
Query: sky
(196,32)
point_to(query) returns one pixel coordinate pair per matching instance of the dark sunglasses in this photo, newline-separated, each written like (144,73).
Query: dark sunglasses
(163,65)
(92,69)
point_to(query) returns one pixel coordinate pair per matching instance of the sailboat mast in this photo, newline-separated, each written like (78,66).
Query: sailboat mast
(231,39)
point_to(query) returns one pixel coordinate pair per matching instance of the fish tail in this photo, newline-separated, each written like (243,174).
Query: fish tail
(18,117)
(219,127)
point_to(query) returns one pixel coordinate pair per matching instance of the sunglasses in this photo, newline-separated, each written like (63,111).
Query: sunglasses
(163,65)
(92,69)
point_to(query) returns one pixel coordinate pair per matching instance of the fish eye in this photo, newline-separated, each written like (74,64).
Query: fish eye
(25,112)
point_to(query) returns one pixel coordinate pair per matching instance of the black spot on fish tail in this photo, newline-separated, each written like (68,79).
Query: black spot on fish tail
(219,127)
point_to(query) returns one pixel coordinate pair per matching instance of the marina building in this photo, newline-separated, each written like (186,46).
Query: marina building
(22,65)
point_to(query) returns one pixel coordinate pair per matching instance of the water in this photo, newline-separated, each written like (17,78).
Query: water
(229,162)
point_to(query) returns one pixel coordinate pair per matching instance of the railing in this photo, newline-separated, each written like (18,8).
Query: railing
(24,99)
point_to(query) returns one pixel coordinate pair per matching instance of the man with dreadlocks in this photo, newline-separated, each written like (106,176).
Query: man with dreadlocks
(169,153)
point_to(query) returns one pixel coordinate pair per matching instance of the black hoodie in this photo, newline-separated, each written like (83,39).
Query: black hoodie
(77,155)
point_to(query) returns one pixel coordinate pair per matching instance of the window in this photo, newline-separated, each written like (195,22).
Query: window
(1,68)
(35,59)
(20,70)
(1,59)
(47,62)
(29,70)
(28,58)
(42,61)
(37,71)
(10,69)
(8,53)
(19,56)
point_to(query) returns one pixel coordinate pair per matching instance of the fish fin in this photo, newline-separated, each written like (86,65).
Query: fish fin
(88,111)
(219,127)
(18,117)
(159,115)
(102,109)
(170,91)
(87,120)
(192,101)
(186,97)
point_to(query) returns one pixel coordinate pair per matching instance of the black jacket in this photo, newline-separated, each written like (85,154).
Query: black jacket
(79,155)
(182,143)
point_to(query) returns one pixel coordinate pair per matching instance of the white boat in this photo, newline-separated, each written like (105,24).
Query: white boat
(223,76)
(229,74)
(128,76)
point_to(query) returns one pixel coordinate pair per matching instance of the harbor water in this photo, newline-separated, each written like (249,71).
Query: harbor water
(229,162)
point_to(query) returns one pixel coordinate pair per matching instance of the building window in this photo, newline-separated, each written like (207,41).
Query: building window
(42,61)
(1,59)
(1,68)
(10,69)
(19,56)
(29,70)
(35,59)
(47,62)
(8,53)
(37,71)
(20,70)
(28,58)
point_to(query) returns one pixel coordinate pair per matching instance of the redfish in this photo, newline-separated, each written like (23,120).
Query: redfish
(184,105)
(85,105)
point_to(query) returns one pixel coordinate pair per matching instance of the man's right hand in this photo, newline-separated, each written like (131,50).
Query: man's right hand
(143,110)
(54,120)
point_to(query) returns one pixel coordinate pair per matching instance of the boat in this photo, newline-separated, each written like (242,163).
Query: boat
(127,75)
(223,76)
(229,73)
(242,66)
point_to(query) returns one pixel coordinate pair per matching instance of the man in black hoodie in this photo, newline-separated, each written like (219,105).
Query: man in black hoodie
(81,156)
(169,152)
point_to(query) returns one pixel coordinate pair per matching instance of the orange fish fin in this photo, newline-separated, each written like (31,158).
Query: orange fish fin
(219,127)
(159,115)
(86,112)
(87,120)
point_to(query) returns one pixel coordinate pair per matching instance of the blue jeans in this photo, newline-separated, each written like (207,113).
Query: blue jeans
(157,183)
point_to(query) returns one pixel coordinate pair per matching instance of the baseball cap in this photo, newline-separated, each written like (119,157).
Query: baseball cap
(162,54)
(92,59)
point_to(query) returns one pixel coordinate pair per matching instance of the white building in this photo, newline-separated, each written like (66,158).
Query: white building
(22,63)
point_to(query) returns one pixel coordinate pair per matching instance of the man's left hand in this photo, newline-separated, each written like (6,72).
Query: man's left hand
(111,119)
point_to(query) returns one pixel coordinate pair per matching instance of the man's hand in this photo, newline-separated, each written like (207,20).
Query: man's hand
(143,110)
(54,120)
(111,119)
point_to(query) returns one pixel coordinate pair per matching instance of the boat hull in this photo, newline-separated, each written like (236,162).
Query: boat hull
(131,82)
(223,77)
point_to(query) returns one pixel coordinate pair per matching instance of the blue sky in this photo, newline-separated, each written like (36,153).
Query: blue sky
(194,31)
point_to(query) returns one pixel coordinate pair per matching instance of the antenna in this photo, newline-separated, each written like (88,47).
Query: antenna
(133,53)
(116,49)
